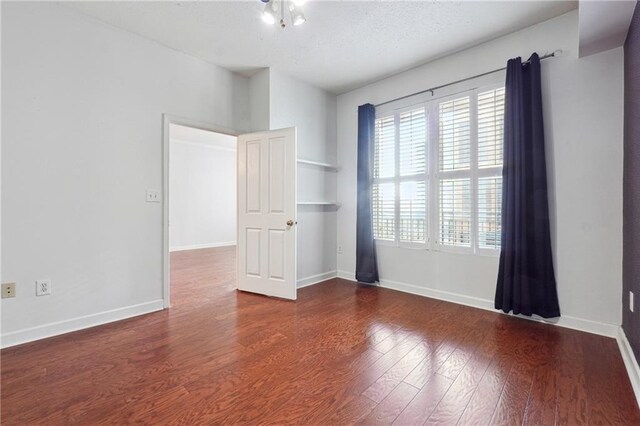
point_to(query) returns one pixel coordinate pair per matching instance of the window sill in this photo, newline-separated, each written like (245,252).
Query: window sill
(439,248)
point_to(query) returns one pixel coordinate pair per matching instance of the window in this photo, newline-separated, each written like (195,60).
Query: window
(438,173)
(399,171)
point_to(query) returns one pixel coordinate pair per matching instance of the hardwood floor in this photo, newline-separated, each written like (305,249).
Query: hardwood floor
(341,354)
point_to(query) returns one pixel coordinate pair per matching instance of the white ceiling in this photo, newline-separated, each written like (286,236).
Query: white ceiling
(604,25)
(342,46)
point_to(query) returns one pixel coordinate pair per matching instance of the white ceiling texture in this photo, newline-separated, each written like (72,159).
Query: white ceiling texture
(342,46)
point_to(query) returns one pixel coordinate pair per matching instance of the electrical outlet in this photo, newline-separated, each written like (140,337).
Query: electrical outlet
(8,290)
(339,249)
(631,301)
(153,196)
(43,287)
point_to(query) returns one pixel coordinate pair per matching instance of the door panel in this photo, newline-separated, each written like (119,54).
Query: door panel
(277,242)
(266,204)
(252,252)
(253,177)
(277,175)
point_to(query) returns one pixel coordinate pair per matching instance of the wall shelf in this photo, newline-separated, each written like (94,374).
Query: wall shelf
(327,166)
(319,203)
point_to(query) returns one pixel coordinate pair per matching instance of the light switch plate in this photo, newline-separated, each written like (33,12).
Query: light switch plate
(153,196)
(631,301)
(43,287)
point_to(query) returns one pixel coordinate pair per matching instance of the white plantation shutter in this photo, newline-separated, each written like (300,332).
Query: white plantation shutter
(489,189)
(455,134)
(490,127)
(489,212)
(384,166)
(441,162)
(412,143)
(399,177)
(413,209)
(455,212)
(412,140)
(454,192)
(384,216)
(384,154)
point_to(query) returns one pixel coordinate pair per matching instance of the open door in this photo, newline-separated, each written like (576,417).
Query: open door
(267,213)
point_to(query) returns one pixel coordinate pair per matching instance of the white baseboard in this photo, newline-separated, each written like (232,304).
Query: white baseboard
(630,362)
(347,275)
(74,324)
(604,329)
(202,246)
(315,279)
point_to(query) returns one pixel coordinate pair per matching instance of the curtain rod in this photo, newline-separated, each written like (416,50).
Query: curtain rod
(549,55)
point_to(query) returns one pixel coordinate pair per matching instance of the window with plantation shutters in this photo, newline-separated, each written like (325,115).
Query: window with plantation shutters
(438,173)
(412,142)
(399,189)
(490,106)
(454,172)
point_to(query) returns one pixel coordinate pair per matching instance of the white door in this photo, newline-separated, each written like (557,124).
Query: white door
(267,213)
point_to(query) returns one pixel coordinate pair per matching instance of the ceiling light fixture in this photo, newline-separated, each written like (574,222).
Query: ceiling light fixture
(272,7)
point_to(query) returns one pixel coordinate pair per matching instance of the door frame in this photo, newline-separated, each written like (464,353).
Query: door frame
(167,120)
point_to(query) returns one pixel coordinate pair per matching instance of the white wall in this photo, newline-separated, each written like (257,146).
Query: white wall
(202,182)
(82,107)
(583,129)
(259,94)
(313,111)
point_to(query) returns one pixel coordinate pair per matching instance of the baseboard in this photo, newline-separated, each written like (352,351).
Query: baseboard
(74,324)
(202,246)
(316,279)
(630,362)
(346,275)
(603,329)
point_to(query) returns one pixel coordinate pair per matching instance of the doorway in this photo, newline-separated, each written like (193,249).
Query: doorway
(256,195)
(200,208)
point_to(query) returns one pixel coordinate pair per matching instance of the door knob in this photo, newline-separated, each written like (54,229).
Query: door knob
(291,222)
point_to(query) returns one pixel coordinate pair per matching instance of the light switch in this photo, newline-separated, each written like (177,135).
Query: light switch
(43,287)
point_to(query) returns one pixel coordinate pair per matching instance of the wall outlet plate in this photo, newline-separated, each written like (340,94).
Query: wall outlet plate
(8,290)
(153,196)
(43,287)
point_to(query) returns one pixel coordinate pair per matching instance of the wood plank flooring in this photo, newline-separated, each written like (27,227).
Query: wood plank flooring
(341,354)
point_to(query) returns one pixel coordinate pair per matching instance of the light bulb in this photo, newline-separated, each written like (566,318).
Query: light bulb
(268,18)
(270,12)
(297,17)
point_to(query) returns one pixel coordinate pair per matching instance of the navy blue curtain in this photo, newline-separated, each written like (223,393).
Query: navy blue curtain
(526,280)
(366,264)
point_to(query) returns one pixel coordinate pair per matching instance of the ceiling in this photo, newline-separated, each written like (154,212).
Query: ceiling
(342,46)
